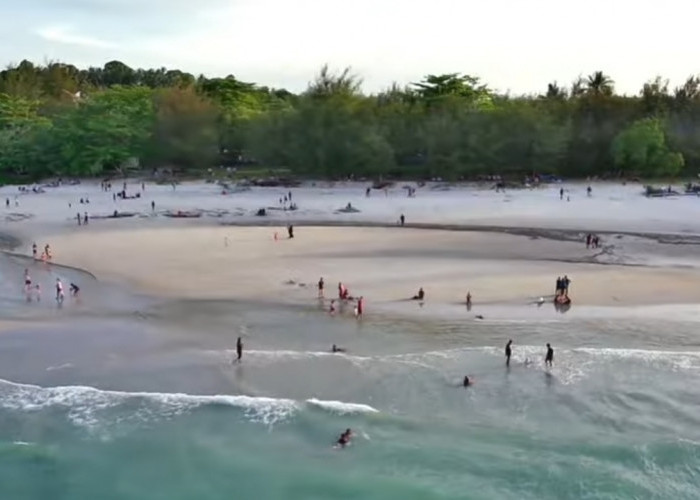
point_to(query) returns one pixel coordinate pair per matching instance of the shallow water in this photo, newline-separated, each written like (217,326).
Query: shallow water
(150,406)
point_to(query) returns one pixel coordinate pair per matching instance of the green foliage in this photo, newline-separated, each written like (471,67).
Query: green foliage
(57,119)
(641,148)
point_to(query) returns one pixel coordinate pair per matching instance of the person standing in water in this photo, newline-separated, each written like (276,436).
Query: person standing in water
(34,250)
(402,220)
(321,284)
(508,352)
(239,349)
(59,291)
(549,358)
(360,306)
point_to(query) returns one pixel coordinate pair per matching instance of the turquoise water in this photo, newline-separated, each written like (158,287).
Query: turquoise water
(604,423)
(133,399)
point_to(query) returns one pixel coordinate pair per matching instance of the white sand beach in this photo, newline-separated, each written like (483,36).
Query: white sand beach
(200,258)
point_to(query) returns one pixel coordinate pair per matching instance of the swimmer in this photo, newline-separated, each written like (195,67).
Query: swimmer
(479,316)
(321,284)
(540,301)
(467,382)
(331,308)
(74,289)
(344,438)
(335,348)
(420,295)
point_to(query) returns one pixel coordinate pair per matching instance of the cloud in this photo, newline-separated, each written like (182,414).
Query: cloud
(65,35)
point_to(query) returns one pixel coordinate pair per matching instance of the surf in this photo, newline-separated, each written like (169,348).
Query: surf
(84,403)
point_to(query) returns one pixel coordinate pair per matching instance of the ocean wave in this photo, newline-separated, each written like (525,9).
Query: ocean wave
(340,407)
(86,405)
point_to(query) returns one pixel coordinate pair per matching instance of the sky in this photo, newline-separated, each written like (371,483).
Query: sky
(515,46)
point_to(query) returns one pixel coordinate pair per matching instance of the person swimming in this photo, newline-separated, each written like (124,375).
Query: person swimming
(335,348)
(420,295)
(74,289)
(344,438)
(466,382)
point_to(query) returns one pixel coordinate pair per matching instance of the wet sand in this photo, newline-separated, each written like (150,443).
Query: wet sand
(386,265)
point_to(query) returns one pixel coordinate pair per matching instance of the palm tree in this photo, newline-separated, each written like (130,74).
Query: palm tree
(578,87)
(555,92)
(655,95)
(599,84)
(688,92)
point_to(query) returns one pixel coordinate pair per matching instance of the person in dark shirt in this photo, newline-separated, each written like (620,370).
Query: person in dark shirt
(549,358)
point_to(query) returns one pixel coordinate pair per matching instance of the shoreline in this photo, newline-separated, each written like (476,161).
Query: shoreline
(246,263)
(506,249)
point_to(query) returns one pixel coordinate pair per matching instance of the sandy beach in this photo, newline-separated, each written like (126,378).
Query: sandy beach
(386,266)
(144,358)
(207,258)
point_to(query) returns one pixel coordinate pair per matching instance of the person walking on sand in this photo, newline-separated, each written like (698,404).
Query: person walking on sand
(508,352)
(239,349)
(321,284)
(549,358)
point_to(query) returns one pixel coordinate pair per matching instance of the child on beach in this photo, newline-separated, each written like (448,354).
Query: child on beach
(37,292)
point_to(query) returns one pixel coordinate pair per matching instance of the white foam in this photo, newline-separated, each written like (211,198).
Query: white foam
(341,407)
(84,404)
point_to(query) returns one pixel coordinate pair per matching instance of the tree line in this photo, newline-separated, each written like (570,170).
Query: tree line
(58,120)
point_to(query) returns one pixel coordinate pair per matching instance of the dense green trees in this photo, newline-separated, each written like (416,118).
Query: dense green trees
(57,119)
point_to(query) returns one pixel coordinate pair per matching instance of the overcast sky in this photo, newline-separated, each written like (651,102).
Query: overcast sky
(513,45)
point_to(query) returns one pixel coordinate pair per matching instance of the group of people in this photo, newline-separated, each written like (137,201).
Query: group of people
(45,255)
(84,221)
(592,241)
(548,358)
(561,294)
(32,291)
